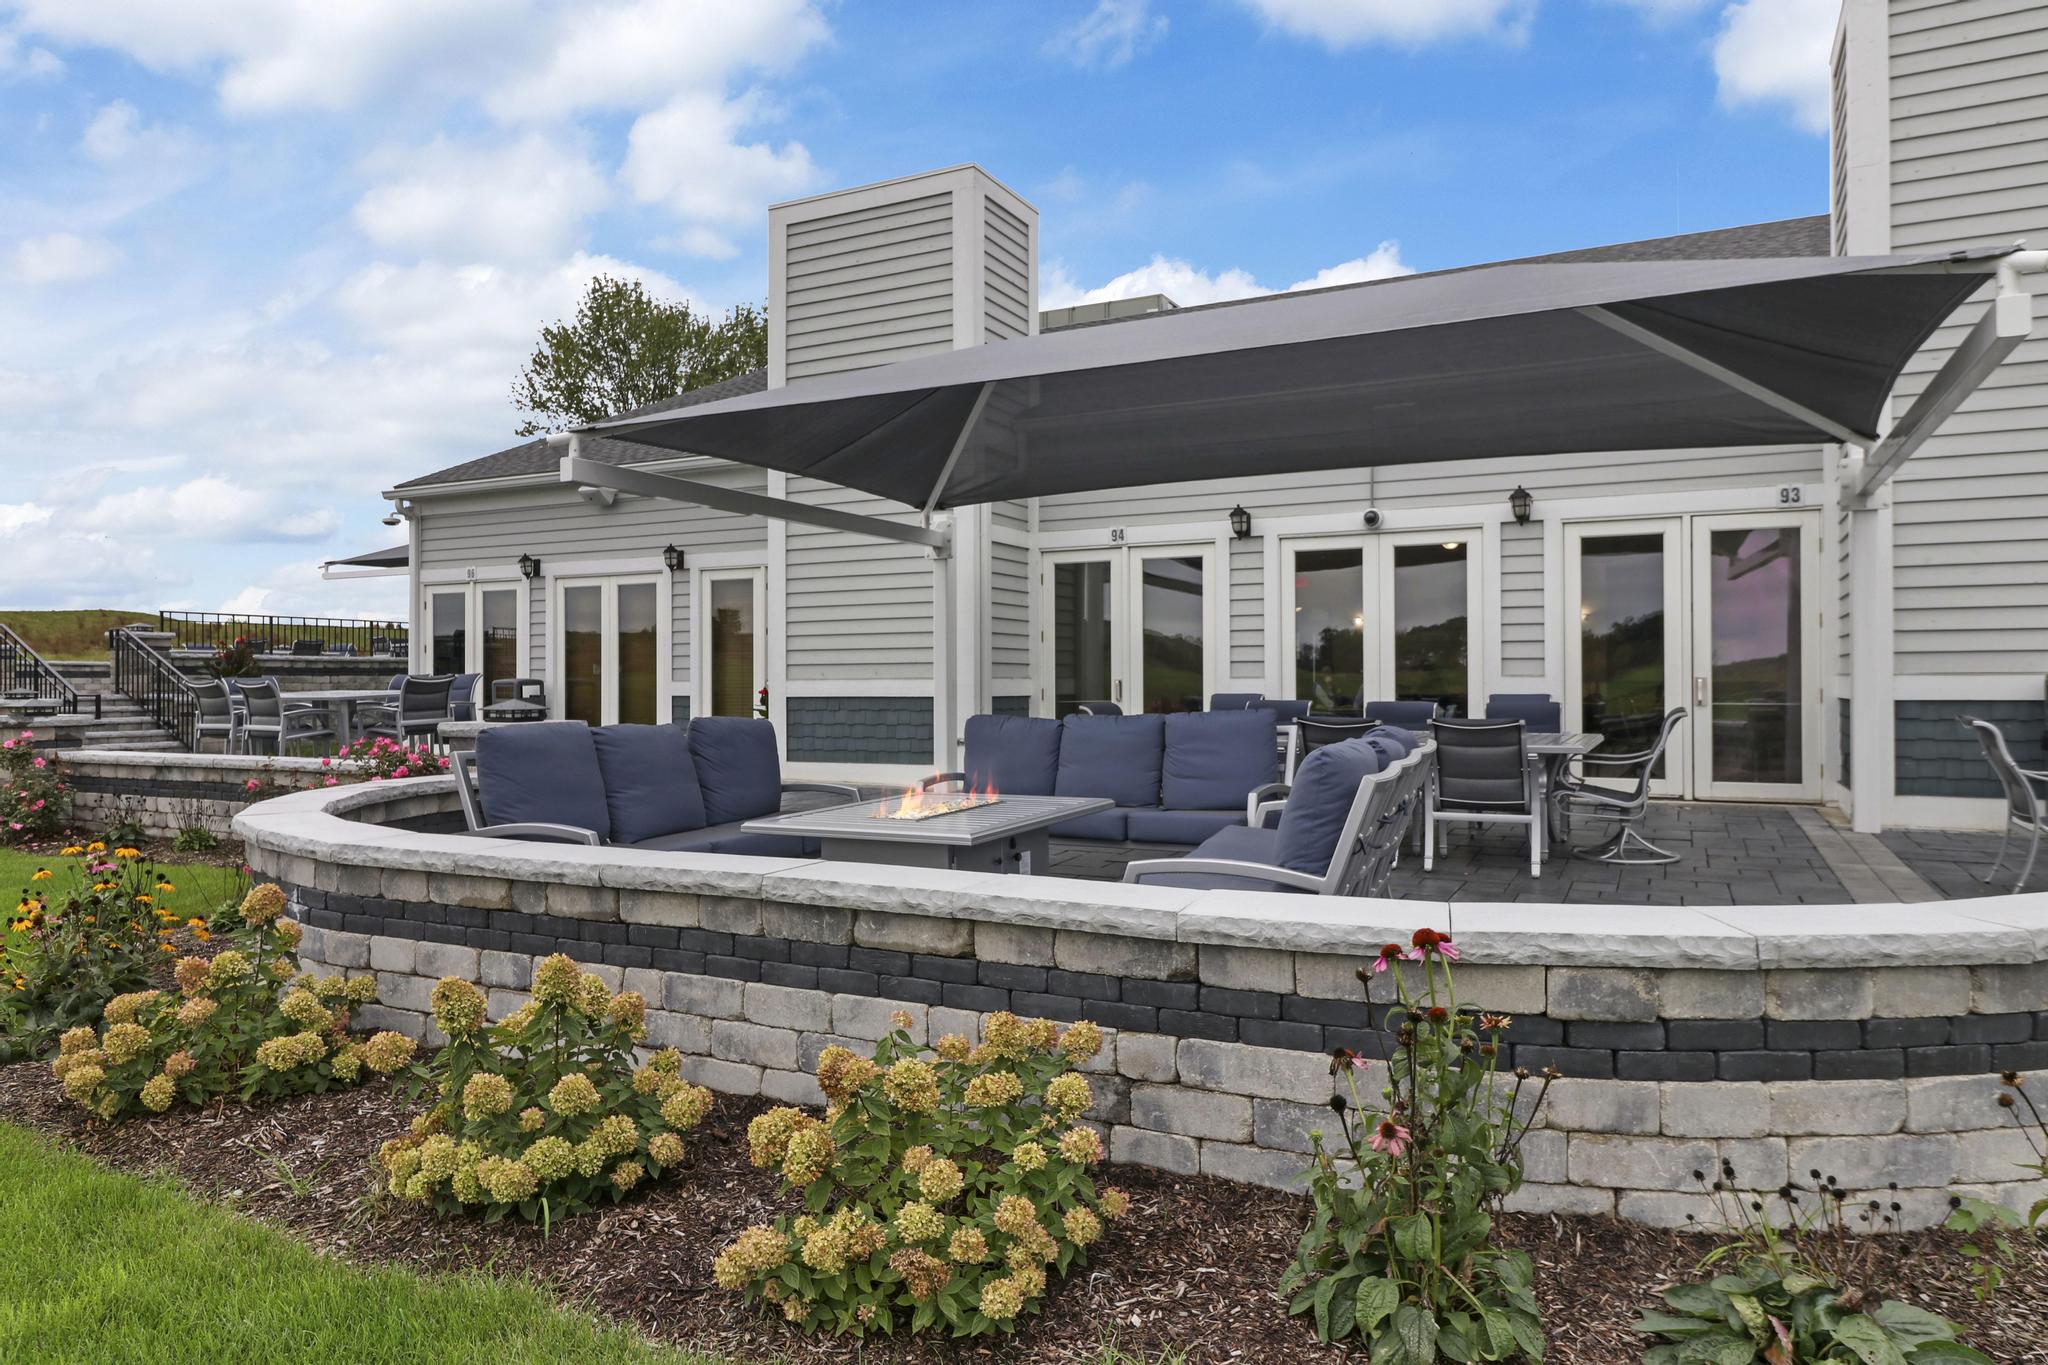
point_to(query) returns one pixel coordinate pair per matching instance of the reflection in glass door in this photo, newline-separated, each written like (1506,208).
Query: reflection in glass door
(1756,670)
(1432,619)
(1083,634)
(1387,618)
(635,646)
(1329,628)
(608,650)
(734,671)
(582,653)
(1625,661)
(1172,624)
(497,653)
(448,631)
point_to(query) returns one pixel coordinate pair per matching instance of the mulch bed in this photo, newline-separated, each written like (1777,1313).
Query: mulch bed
(1191,1270)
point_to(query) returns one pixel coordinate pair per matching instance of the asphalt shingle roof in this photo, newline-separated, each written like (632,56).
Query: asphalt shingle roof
(1808,236)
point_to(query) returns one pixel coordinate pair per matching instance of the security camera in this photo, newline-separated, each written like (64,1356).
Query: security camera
(1372,518)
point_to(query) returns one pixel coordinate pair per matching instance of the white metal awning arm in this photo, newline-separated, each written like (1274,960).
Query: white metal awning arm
(1714,370)
(2005,324)
(576,469)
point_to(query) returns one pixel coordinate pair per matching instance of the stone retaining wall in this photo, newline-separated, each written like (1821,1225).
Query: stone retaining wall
(1863,1041)
(168,792)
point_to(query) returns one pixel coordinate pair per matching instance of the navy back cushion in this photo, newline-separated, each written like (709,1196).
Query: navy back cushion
(650,784)
(1313,818)
(542,773)
(1113,756)
(737,769)
(1213,758)
(1017,755)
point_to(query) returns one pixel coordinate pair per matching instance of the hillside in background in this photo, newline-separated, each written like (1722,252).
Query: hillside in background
(78,634)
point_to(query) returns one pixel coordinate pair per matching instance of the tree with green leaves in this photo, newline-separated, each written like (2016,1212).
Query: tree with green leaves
(627,349)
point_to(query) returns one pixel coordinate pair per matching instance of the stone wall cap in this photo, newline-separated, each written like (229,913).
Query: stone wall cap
(170,758)
(1516,933)
(1916,935)
(1305,924)
(2027,913)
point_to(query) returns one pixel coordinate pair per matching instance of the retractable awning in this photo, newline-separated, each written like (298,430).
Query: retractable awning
(1500,361)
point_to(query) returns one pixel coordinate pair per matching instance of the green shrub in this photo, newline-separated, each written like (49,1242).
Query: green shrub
(246,1022)
(1796,1293)
(81,933)
(32,798)
(1400,1247)
(937,1190)
(544,1114)
(196,839)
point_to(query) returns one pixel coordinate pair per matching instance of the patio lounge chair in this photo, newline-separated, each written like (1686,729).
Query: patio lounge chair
(270,717)
(421,707)
(1412,715)
(1339,832)
(638,786)
(219,717)
(462,696)
(1483,775)
(1578,799)
(2023,806)
(1537,710)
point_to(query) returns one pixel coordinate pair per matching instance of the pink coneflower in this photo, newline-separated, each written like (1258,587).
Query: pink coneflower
(1388,952)
(1427,941)
(1390,1137)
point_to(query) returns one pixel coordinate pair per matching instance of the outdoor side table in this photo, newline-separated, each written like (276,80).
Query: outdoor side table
(1009,835)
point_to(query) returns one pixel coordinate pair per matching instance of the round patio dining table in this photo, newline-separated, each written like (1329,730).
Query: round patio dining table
(340,703)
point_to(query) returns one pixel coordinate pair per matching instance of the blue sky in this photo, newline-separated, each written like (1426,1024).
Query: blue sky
(260,259)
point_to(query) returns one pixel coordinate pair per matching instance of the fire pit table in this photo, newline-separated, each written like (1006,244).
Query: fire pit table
(967,834)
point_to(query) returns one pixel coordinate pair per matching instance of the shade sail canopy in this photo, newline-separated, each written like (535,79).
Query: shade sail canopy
(396,557)
(1508,360)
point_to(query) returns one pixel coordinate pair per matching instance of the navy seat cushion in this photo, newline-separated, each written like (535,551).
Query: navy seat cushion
(737,768)
(1179,826)
(545,773)
(1534,710)
(1017,755)
(650,784)
(723,839)
(1389,745)
(1212,759)
(1113,756)
(1324,787)
(1102,824)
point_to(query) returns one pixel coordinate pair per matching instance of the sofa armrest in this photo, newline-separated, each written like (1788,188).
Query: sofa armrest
(558,834)
(1224,867)
(1261,799)
(847,790)
(939,779)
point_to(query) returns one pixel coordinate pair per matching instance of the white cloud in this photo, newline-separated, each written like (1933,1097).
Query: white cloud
(523,201)
(688,156)
(1340,24)
(209,508)
(62,258)
(1109,35)
(17,60)
(298,589)
(117,136)
(1188,286)
(14,516)
(1775,53)
(1666,11)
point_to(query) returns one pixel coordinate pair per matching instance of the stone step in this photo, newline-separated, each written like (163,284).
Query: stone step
(163,745)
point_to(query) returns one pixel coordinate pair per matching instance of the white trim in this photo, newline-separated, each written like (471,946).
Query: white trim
(471,573)
(1678,641)
(1967,687)
(608,586)
(776,567)
(700,652)
(602,568)
(1947,812)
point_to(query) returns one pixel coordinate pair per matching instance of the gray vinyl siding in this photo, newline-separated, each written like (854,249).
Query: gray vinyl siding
(1521,600)
(1006,280)
(1247,659)
(1969,130)
(1009,611)
(869,286)
(858,607)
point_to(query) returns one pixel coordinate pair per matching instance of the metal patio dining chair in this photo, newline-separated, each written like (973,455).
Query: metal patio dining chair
(421,707)
(219,717)
(270,717)
(1575,798)
(1483,775)
(2023,804)
(1312,732)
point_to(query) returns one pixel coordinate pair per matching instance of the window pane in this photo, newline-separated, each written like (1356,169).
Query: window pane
(1081,623)
(501,639)
(734,691)
(1329,628)
(449,635)
(1172,613)
(583,654)
(639,680)
(1621,639)
(1432,629)
(1757,683)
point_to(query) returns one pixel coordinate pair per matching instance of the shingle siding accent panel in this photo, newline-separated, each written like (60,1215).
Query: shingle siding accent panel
(860,729)
(1939,756)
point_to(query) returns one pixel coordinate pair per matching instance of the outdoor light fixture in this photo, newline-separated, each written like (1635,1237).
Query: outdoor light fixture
(1520,502)
(1240,522)
(672,557)
(529,567)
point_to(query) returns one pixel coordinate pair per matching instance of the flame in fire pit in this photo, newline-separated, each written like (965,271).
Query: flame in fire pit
(918,804)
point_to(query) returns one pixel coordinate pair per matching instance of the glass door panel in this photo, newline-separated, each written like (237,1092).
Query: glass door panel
(498,615)
(1756,732)
(583,653)
(1625,656)
(1083,634)
(1172,622)
(1329,628)
(636,644)
(735,681)
(448,632)
(1432,625)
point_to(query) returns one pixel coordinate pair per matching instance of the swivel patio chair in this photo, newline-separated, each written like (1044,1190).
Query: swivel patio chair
(1579,799)
(1483,775)
(2023,804)
(422,706)
(270,717)
(219,717)
(1537,710)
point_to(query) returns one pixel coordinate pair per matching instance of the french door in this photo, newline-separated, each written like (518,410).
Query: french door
(1717,614)
(610,650)
(1132,626)
(477,628)
(732,647)
(1383,618)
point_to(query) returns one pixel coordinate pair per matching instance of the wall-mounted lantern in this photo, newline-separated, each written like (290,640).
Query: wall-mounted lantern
(672,557)
(529,567)
(1240,522)
(1519,502)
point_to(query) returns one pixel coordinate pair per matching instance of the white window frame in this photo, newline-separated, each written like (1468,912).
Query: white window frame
(1126,587)
(472,592)
(701,581)
(608,627)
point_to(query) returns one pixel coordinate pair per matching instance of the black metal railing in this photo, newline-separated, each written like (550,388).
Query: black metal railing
(149,679)
(215,630)
(25,674)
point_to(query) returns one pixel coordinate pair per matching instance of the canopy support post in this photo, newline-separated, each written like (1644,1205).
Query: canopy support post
(1871,653)
(1664,346)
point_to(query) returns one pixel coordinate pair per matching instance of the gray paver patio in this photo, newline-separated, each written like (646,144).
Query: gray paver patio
(1951,861)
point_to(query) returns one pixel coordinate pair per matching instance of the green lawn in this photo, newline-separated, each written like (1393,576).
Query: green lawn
(200,887)
(103,1269)
(80,634)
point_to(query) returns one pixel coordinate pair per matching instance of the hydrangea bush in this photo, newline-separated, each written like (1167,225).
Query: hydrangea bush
(544,1114)
(246,1022)
(941,1189)
(1400,1246)
(31,795)
(80,934)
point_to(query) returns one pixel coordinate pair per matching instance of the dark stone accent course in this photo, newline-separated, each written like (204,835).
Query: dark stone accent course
(859,729)
(1665,1050)
(1009,706)
(219,790)
(1939,756)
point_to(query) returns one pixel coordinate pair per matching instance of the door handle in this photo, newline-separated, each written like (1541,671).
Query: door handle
(1699,692)
(1117,692)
